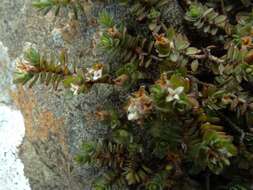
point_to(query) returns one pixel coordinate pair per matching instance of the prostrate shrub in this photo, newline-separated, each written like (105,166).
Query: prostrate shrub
(187,123)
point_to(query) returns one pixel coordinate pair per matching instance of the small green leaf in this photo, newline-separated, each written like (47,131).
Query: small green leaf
(195,65)
(192,51)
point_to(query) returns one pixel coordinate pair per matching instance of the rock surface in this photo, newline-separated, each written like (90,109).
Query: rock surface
(56,122)
(12,131)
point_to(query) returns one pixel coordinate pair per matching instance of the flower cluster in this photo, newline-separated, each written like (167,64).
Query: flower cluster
(95,73)
(172,93)
(139,105)
(25,67)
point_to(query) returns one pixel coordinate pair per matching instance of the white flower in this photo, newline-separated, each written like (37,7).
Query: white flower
(133,113)
(139,106)
(174,94)
(75,89)
(95,73)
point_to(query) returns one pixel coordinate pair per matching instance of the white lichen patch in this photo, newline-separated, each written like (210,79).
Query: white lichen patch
(12,131)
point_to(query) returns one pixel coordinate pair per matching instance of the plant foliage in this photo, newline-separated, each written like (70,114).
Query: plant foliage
(47,5)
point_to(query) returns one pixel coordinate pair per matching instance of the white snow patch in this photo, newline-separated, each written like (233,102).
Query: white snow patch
(12,131)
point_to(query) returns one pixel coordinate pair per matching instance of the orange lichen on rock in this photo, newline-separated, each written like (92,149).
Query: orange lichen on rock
(39,124)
